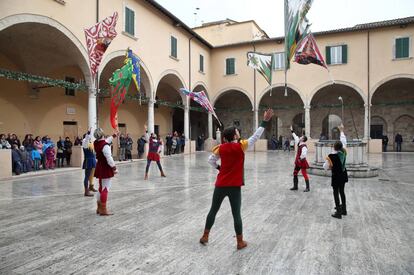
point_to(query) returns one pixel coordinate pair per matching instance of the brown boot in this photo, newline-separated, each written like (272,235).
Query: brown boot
(104,210)
(98,207)
(91,188)
(204,238)
(163,175)
(240,243)
(87,193)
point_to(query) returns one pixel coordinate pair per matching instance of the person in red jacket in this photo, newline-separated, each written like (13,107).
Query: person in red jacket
(105,169)
(301,164)
(231,176)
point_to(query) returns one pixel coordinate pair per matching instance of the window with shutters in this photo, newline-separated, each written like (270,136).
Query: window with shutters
(337,54)
(230,66)
(173,52)
(201,68)
(129,21)
(278,61)
(402,47)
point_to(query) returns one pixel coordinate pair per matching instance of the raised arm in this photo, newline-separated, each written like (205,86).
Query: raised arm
(214,157)
(87,140)
(257,134)
(295,137)
(342,137)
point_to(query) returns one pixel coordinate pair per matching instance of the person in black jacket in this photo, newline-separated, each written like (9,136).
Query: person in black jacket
(336,162)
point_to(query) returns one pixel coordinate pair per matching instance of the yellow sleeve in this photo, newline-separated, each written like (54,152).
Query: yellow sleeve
(330,161)
(216,150)
(245,144)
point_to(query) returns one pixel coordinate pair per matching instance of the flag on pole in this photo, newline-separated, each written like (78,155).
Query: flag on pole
(98,38)
(201,98)
(119,82)
(308,52)
(262,63)
(136,76)
(296,25)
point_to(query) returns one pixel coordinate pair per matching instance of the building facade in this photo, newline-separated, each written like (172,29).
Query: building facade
(371,66)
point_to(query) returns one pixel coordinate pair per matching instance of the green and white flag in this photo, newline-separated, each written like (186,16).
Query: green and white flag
(262,63)
(296,25)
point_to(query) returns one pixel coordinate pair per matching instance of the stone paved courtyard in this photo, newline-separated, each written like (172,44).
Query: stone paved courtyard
(47,226)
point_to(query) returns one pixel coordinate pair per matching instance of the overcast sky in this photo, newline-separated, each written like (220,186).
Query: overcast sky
(268,14)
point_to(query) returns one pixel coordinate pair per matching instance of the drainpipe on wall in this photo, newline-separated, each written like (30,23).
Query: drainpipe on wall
(369,96)
(255,109)
(187,125)
(97,74)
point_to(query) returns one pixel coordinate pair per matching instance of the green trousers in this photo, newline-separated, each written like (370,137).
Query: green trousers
(234,194)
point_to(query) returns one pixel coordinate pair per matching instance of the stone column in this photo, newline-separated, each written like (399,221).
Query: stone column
(307,121)
(150,125)
(210,125)
(366,122)
(256,120)
(92,120)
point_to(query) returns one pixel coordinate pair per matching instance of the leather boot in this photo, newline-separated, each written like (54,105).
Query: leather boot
(240,243)
(162,174)
(91,188)
(307,186)
(295,183)
(98,207)
(343,210)
(146,176)
(87,193)
(337,213)
(104,210)
(204,238)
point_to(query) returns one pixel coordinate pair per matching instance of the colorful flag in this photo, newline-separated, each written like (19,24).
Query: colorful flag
(201,98)
(262,63)
(308,52)
(296,25)
(98,38)
(136,76)
(120,81)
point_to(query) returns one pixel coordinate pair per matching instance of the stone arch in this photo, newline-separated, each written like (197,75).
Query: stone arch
(277,85)
(404,125)
(337,82)
(385,80)
(121,53)
(41,19)
(202,84)
(225,90)
(378,120)
(176,74)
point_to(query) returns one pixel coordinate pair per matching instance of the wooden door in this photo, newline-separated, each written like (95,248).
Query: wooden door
(70,129)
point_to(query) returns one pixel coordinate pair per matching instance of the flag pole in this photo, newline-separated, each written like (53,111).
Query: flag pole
(286,47)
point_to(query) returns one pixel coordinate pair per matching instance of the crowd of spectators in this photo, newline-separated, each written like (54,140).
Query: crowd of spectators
(37,153)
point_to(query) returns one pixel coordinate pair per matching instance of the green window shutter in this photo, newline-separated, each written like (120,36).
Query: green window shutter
(127,20)
(201,63)
(344,54)
(131,22)
(328,55)
(402,49)
(230,68)
(173,46)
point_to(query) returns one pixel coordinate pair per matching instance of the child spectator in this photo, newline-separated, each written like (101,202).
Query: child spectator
(50,156)
(36,157)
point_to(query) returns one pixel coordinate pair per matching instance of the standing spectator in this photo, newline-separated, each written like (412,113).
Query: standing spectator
(141,146)
(128,147)
(68,152)
(182,143)
(175,142)
(168,143)
(60,152)
(38,146)
(398,141)
(50,156)
(122,146)
(292,145)
(200,142)
(15,140)
(322,137)
(36,158)
(78,141)
(287,145)
(25,160)
(28,143)
(4,144)
(16,160)
(384,143)
(273,142)
(280,142)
